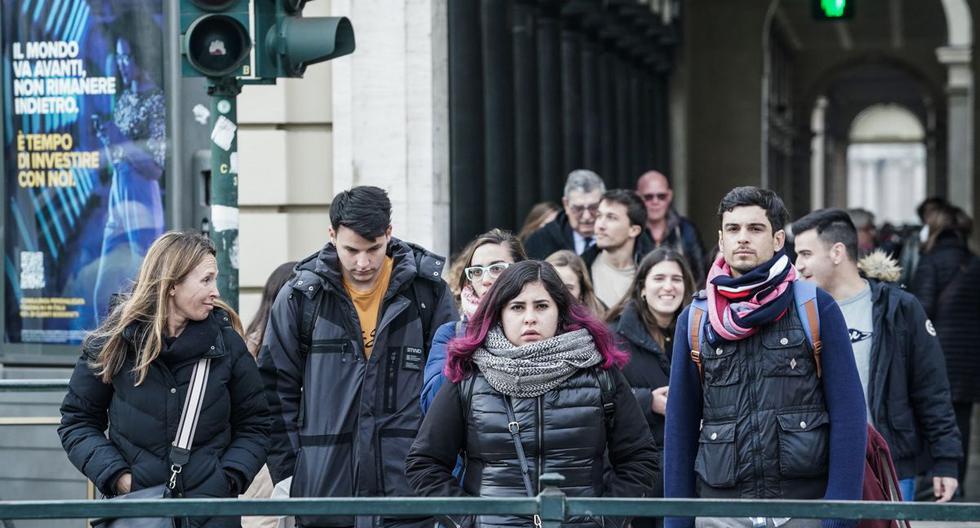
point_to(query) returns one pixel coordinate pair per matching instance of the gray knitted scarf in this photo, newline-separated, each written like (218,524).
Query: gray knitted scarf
(530,370)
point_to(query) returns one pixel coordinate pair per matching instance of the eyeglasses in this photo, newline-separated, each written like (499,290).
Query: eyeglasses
(475,273)
(577,210)
(660,197)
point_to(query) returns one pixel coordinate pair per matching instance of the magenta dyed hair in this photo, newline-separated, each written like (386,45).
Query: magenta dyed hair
(571,316)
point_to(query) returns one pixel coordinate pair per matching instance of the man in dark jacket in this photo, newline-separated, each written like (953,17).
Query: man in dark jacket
(899,358)
(343,355)
(574,227)
(751,412)
(666,226)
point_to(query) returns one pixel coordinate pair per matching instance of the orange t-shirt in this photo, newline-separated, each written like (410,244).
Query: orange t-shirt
(368,305)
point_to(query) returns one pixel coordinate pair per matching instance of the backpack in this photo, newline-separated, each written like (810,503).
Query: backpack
(805,294)
(880,480)
(423,297)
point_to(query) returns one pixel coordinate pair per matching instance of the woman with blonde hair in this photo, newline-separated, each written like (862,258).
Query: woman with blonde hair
(571,268)
(134,374)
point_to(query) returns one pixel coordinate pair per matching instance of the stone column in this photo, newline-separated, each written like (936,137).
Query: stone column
(391,111)
(959,92)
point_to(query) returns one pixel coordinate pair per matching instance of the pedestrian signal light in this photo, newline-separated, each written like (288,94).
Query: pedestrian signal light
(286,42)
(833,9)
(215,38)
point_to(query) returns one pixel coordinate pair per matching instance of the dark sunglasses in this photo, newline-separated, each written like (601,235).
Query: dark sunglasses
(660,197)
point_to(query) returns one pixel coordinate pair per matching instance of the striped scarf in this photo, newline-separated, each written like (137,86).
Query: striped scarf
(737,307)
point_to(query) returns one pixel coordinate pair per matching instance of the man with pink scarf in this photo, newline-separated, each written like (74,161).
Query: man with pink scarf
(761,418)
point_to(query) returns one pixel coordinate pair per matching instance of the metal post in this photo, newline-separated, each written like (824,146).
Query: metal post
(224,184)
(551,500)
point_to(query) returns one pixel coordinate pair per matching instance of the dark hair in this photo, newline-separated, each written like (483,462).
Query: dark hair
(764,198)
(365,209)
(928,206)
(494,236)
(947,219)
(833,226)
(275,282)
(635,295)
(534,216)
(572,315)
(636,210)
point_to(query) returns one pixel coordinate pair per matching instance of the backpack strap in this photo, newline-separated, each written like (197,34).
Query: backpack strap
(308,309)
(695,329)
(426,305)
(805,293)
(607,388)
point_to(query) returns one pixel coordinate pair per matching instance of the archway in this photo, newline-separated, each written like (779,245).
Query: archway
(886,163)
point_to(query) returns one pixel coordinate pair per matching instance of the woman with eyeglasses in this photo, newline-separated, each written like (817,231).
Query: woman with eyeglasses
(482,261)
(534,387)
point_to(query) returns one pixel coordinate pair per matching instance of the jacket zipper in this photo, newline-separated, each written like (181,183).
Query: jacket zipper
(540,465)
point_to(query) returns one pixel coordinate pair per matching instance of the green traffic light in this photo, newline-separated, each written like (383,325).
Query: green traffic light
(833,8)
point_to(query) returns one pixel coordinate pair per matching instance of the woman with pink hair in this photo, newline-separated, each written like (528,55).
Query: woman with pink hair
(533,387)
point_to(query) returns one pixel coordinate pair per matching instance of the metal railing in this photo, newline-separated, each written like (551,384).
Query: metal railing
(551,505)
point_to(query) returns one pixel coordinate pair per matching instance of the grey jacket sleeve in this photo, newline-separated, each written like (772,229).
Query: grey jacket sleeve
(282,367)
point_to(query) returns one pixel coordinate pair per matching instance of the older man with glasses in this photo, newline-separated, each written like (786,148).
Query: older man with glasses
(574,228)
(666,226)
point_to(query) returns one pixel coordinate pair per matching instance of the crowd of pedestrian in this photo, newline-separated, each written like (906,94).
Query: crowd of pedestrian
(580,346)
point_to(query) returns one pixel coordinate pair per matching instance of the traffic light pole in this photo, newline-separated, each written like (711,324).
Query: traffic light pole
(224,183)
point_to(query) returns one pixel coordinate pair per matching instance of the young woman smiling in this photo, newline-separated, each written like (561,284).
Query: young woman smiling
(644,324)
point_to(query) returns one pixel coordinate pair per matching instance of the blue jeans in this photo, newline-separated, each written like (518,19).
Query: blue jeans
(908,489)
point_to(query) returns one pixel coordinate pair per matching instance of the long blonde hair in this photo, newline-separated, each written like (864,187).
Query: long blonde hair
(168,261)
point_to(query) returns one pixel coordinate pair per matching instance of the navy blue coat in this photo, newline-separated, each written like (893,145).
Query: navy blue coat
(232,434)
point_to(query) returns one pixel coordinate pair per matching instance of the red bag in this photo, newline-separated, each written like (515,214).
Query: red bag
(880,480)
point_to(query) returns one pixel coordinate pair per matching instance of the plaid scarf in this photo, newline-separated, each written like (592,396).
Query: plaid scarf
(737,307)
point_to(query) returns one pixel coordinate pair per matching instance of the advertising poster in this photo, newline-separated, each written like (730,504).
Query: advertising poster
(85,142)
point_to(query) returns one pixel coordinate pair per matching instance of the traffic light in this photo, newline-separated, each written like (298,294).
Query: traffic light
(215,38)
(832,9)
(286,42)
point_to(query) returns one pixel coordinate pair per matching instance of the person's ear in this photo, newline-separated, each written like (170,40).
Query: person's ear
(635,231)
(333,235)
(837,253)
(779,239)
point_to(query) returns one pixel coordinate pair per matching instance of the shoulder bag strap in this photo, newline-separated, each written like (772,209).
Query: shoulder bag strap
(515,431)
(180,450)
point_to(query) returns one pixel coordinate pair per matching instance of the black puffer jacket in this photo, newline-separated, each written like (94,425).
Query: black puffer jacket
(648,369)
(951,302)
(233,429)
(562,431)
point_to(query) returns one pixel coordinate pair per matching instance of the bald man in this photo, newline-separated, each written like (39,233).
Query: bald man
(666,226)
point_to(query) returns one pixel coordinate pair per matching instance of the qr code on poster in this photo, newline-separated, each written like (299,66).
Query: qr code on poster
(31,270)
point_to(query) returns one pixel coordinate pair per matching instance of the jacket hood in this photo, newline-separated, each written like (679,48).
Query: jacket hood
(880,266)
(322,269)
